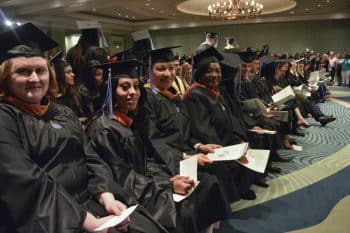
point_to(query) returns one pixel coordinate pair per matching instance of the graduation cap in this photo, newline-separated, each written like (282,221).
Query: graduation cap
(229,65)
(267,59)
(246,56)
(126,68)
(26,40)
(56,58)
(162,55)
(209,55)
(212,35)
(184,59)
(125,55)
(90,30)
(231,40)
(231,59)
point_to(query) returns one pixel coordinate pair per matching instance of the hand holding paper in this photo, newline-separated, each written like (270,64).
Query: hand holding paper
(257,160)
(117,219)
(229,152)
(188,168)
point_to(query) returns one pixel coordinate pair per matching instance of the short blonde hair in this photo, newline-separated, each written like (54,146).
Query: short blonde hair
(5,72)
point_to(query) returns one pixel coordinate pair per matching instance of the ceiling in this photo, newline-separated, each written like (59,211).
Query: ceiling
(127,15)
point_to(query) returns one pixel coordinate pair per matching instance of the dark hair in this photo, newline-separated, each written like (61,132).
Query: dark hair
(89,75)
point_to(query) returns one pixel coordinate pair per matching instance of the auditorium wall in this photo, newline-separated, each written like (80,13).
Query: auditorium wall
(282,37)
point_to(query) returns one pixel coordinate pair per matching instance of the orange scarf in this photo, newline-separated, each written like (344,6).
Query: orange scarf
(36,110)
(123,119)
(214,92)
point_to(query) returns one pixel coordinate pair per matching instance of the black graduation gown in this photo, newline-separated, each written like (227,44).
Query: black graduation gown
(119,147)
(49,176)
(248,90)
(262,88)
(68,100)
(211,121)
(166,133)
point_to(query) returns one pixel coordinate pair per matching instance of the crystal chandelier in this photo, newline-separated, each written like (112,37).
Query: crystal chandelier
(235,9)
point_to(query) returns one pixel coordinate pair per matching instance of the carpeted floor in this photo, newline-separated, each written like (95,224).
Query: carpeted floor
(310,186)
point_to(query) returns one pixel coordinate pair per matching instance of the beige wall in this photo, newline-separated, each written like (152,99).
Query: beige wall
(285,37)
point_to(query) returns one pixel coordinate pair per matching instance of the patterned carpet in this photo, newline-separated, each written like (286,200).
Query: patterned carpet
(326,154)
(319,142)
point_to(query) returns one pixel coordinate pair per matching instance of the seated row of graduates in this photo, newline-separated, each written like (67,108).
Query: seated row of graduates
(148,133)
(55,179)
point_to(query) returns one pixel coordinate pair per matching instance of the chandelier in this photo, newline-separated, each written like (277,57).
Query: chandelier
(235,9)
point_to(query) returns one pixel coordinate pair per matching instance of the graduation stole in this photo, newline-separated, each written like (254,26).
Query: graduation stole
(122,119)
(170,95)
(36,110)
(214,92)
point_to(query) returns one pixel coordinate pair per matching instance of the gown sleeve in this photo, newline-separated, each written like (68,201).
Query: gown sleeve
(30,199)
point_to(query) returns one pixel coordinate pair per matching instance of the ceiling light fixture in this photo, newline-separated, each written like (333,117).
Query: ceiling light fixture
(235,9)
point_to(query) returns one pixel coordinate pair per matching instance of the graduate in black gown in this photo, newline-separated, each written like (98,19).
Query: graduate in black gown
(118,142)
(50,180)
(166,133)
(210,116)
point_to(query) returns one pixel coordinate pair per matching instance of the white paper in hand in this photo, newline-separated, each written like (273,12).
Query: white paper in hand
(283,96)
(228,153)
(117,219)
(188,168)
(257,160)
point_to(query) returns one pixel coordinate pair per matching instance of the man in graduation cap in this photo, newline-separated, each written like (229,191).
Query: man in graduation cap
(50,181)
(211,39)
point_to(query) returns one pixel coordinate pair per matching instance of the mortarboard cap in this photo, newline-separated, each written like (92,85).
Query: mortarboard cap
(125,55)
(209,55)
(267,59)
(246,56)
(231,40)
(212,35)
(91,30)
(127,68)
(56,58)
(231,60)
(229,65)
(162,55)
(26,40)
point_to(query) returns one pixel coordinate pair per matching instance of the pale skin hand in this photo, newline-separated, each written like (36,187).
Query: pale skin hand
(114,207)
(182,185)
(91,223)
